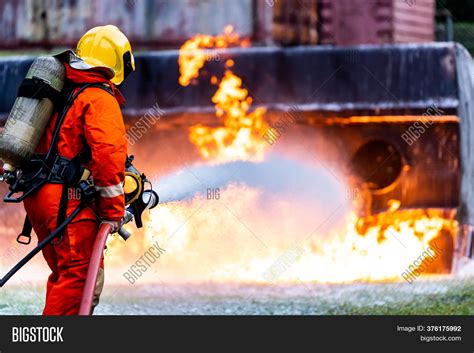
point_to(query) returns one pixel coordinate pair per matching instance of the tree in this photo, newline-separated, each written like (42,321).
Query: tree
(462,10)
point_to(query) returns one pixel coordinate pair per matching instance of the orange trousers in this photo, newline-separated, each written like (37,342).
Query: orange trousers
(67,257)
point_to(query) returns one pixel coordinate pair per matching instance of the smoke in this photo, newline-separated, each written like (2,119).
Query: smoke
(277,175)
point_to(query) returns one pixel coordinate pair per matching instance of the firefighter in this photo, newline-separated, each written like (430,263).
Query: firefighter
(92,129)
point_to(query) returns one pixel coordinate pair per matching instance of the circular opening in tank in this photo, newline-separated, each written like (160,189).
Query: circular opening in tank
(377,163)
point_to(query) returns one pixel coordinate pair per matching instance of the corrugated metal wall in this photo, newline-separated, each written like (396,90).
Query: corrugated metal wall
(152,22)
(356,21)
(158,23)
(414,23)
(348,22)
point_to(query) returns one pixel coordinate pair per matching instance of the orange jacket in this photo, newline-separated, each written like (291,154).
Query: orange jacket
(94,119)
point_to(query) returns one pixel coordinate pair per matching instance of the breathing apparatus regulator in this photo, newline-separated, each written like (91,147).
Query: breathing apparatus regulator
(137,198)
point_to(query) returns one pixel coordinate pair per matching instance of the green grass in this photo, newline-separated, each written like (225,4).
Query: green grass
(449,296)
(457,301)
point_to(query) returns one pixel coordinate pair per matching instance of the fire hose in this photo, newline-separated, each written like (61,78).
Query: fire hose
(40,246)
(95,261)
(93,270)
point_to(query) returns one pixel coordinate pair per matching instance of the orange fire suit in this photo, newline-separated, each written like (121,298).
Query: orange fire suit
(94,120)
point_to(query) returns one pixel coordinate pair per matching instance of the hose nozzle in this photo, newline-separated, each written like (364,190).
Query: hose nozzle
(122,231)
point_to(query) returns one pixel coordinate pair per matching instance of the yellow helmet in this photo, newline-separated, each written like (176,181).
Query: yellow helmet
(107,46)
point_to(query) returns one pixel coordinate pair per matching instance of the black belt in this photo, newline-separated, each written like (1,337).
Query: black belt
(63,171)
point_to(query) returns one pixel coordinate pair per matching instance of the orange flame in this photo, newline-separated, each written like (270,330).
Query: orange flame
(347,256)
(254,245)
(241,136)
(195,52)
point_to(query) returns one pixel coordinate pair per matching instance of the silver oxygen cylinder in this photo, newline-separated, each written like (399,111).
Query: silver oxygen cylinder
(29,117)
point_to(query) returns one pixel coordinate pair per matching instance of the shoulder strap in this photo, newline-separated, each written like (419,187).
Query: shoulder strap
(82,156)
(72,92)
(38,88)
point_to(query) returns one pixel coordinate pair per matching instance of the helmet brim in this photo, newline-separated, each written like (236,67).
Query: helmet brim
(70,57)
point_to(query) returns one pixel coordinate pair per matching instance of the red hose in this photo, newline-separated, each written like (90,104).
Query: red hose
(93,270)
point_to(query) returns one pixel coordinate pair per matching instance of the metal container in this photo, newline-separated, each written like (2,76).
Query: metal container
(29,116)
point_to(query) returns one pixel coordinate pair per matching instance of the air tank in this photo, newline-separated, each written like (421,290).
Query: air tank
(29,116)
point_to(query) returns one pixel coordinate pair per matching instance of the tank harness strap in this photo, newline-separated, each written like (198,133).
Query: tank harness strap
(74,170)
(38,88)
(72,95)
(25,236)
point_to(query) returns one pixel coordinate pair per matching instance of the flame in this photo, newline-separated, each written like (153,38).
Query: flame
(234,240)
(240,137)
(196,51)
(393,205)
(347,256)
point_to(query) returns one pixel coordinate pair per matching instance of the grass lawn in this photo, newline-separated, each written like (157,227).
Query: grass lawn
(445,296)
